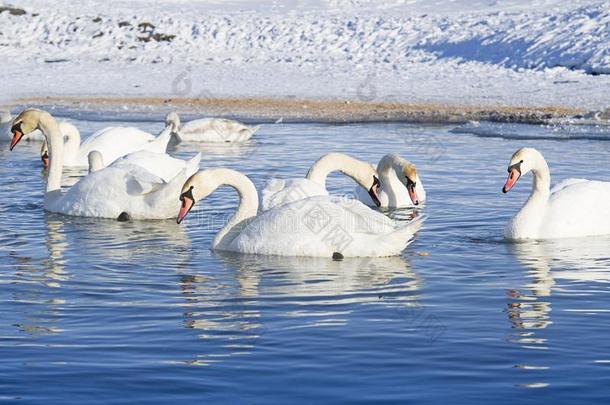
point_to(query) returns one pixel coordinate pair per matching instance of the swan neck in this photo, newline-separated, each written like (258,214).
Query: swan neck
(390,184)
(542,179)
(248,202)
(50,129)
(331,162)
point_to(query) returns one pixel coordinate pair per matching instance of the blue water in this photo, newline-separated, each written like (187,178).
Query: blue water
(102,312)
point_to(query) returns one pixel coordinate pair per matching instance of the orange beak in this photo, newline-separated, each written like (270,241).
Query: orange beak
(17,135)
(45,160)
(187,204)
(513,175)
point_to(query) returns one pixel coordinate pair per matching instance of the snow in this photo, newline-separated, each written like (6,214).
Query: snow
(482,52)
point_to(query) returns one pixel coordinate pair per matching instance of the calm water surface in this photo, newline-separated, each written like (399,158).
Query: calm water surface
(107,312)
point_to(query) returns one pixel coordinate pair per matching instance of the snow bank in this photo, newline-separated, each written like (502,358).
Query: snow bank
(518,51)
(575,38)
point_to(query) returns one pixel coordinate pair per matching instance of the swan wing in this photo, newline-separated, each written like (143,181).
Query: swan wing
(159,164)
(319,227)
(114,142)
(565,183)
(278,192)
(578,208)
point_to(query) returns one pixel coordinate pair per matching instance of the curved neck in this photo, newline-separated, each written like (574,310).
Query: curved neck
(531,214)
(542,179)
(390,184)
(210,180)
(55,140)
(354,168)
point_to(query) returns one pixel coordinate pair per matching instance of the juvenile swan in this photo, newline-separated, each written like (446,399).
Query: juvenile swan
(210,130)
(315,226)
(573,208)
(121,190)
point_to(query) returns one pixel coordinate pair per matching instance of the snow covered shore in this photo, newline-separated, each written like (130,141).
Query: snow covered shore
(532,54)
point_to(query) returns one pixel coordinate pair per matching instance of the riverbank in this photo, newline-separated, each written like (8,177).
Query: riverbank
(320,110)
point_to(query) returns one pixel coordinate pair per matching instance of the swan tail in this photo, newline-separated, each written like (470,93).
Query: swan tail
(173,187)
(404,235)
(159,144)
(192,165)
(247,132)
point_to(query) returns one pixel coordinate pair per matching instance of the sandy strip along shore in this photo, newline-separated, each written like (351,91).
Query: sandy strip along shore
(310,110)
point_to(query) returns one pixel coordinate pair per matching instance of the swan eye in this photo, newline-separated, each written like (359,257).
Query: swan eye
(187,194)
(521,161)
(17,127)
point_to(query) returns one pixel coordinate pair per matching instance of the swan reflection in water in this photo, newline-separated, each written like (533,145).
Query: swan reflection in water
(229,304)
(212,151)
(552,264)
(40,281)
(90,252)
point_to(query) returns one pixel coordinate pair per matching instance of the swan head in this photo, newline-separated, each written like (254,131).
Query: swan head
(366,176)
(26,122)
(404,170)
(96,161)
(173,120)
(522,162)
(44,154)
(192,191)
(409,178)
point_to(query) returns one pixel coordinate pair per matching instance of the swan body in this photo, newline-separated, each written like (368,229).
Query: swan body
(318,226)
(573,208)
(210,130)
(122,189)
(112,143)
(279,192)
(399,184)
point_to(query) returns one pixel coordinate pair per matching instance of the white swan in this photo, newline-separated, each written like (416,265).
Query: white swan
(573,208)
(111,142)
(316,226)
(210,129)
(278,191)
(6,120)
(122,190)
(399,184)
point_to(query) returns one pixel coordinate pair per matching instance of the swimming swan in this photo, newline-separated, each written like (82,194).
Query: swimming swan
(210,129)
(317,226)
(111,142)
(122,190)
(573,208)
(399,184)
(278,191)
